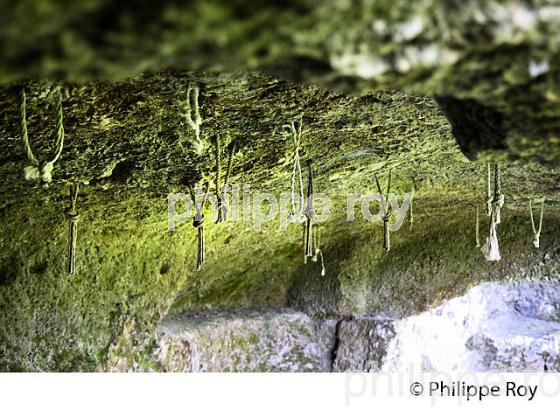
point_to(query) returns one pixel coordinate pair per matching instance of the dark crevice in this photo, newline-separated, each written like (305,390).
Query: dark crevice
(476,127)
(336,344)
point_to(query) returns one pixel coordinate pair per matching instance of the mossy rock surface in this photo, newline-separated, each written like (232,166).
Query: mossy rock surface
(129,146)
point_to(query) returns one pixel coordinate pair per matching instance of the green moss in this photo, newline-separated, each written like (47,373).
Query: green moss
(124,140)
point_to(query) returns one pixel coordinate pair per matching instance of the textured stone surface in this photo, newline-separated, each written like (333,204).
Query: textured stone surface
(503,327)
(362,344)
(128,141)
(510,327)
(246,341)
(492,66)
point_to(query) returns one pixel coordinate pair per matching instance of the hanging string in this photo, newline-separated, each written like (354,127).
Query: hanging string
(222,199)
(318,252)
(489,191)
(296,216)
(498,202)
(193,118)
(312,237)
(221,187)
(387,216)
(386,212)
(73,217)
(41,170)
(536,232)
(218,155)
(411,214)
(309,215)
(495,202)
(477,228)
(198,223)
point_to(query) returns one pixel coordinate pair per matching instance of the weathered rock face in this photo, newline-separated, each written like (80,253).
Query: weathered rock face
(479,78)
(129,145)
(362,344)
(246,341)
(512,327)
(502,327)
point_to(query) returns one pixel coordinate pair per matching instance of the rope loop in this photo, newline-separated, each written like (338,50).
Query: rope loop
(41,170)
(71,212)
(297,213)
(494,203)
(536,232)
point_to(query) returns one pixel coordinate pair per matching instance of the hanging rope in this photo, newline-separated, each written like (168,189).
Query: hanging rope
(411,214)
(477,228)
(221,187)
(309,215)
(494,203)
(41,170)
(296,216)
(318,252)
(536,232)
(198,223)
(72,216)
(489,191)
(386,212)
(312,238)
(499,199)
(218,155)
(192,116)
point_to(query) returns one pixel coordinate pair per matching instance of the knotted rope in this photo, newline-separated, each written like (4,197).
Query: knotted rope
(411,216)
(494,204)
(309,215)
(489,190)
(73,217)
(41,170)
(477,232)
(221,187)
(296,216)
(318,252)
(387,213)
(198,223)
(194,121)
(536,232)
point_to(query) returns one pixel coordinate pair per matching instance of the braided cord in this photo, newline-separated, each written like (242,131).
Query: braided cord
(73,198)
(59,128)
(535,231)
(218,165)
(495,201)
(387,212)
(411,215)
(489,190)
(41,170)
(73,218)
(386,207)
(488,182)
(477,228)
(318,252)
(200,253)
(197,121)
(24,134)
(197,118)
(198,223)
(297,177)
(497,180)
(308,230)
(498,200)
